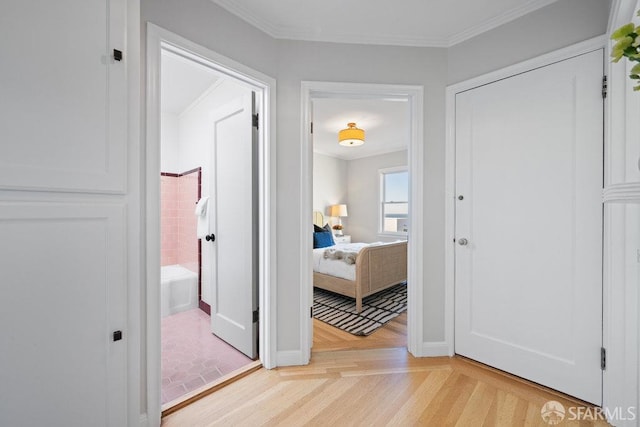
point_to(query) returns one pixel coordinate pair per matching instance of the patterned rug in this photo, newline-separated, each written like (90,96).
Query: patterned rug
(377,309)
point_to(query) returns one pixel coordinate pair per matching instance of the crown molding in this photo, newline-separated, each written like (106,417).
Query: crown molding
(498,20)
(279,32)
(250,17)
(352,38)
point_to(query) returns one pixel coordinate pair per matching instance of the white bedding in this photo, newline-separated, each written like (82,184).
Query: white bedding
(336,267)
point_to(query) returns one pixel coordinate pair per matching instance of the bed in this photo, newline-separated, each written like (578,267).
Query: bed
(377,266)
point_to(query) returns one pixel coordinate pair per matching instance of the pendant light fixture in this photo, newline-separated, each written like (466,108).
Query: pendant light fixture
(351,136)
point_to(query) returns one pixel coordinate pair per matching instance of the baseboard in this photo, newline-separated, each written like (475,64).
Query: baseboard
(289,358)
(204,307)
(435,349)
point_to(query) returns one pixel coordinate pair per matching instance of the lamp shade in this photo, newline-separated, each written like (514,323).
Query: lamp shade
(338,210)
(351,136)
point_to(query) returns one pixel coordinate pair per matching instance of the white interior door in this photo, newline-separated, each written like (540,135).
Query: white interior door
(529,225)
(234,223)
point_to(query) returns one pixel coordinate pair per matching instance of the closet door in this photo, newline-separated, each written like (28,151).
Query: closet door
(528,267)
(63,213)
(62,298)
(62,97)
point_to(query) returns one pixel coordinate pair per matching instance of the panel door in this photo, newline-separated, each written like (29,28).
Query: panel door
(234,223)
(529,225)
(62,296)
(62,98)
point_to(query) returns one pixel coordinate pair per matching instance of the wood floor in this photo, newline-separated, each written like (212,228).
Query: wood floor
(377,387)
(327,338)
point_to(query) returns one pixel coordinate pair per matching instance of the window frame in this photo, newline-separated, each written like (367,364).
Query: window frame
(381,202)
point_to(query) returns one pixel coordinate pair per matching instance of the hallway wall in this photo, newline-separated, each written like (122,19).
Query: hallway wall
(292,62)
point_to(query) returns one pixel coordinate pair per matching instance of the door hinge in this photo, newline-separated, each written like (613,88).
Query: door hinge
(604,87)
(255,120)
(117,55)
(311,311)
(256,316)
(603,358)
(311,127)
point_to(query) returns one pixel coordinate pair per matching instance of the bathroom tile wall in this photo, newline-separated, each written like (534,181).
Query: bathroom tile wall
(168,220)
(187,221)
(179,244)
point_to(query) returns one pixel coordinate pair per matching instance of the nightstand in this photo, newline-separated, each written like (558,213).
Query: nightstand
(342,239)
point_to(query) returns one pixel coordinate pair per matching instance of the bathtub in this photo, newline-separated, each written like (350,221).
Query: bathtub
(178,289)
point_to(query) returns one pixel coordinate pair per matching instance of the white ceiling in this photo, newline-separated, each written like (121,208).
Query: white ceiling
(385,122)
(182,82)
(435,23)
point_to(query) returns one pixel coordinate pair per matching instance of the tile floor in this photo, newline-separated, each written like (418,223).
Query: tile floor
(192,356)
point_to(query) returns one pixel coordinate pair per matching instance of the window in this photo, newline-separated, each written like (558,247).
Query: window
(394,201)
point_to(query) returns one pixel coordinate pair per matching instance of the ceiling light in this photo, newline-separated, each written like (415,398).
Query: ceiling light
(351,137)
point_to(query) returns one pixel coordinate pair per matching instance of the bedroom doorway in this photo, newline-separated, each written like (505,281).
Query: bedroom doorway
(361,193)
(348,179)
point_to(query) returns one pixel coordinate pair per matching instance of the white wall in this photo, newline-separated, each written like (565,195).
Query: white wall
(169,154)
(329,184)
(364,194)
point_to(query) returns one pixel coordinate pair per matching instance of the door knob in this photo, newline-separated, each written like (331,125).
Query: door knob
(463,242)
(210,238)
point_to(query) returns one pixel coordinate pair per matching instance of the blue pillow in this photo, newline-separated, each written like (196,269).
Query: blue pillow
(322,240)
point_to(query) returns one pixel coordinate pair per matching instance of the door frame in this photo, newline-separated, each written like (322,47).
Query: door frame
(622,296)
(450,162)
(158,39)
(415,279)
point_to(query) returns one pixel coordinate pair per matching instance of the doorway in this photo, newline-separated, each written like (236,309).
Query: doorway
(412,95)
(206,125)
(204,120)
(367,186)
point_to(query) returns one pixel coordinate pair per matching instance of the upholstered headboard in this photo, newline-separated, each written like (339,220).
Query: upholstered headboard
(318,218)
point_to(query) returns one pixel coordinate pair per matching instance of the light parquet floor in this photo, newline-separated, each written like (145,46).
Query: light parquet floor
(376,387)
(373,384)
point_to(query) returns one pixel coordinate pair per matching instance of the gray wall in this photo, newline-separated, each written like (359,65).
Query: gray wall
(329,184)
(364,195)
(206,23)
(558,25)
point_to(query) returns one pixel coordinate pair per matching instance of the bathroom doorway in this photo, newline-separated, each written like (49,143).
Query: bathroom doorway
(201,127)
(263,225)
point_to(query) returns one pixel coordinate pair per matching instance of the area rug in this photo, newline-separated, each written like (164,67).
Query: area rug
(377,309)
